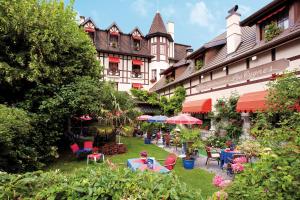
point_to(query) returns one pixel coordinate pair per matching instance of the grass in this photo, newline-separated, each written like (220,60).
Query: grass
(196,179)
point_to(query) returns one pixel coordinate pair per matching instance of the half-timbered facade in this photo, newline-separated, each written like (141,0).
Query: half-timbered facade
(132,60)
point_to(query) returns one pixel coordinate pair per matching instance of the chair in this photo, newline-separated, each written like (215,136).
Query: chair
(170,162)
(211,156)
(75,148)
(88,145)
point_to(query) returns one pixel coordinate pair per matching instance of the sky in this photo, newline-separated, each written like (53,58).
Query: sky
(196,21)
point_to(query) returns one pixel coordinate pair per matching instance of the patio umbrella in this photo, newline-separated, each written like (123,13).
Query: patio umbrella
(143,117)
(84,118)
(158,118)
(183,119)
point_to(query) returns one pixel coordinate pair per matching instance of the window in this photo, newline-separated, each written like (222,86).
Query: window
(113,69)
(273,53)
(153,49)
(162,49)
(283,21)
(136,71)
(137,44)
(161,71)
(153,74)
(248,63)
(113,41)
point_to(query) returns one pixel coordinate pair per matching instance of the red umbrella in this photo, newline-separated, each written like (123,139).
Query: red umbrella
(143,117)
(183,119)
(85,118)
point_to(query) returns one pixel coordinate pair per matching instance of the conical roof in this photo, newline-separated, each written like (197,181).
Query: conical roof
(157,25)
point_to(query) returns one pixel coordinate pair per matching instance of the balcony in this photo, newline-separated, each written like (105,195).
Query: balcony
(111,72)
(136,74)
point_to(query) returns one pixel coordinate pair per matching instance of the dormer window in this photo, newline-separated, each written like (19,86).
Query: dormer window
(114,37)
(136,38)
(137,44)
(199,63)
(113,40)
(89,28)
(274,23)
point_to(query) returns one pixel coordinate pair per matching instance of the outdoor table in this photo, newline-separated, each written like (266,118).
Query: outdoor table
(137,164)
(95,157)
(226,156)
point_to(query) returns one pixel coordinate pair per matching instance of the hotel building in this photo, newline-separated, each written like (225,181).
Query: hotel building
(134,60)
(241,60)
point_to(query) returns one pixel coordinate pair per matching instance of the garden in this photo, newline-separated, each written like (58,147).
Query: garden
(65,133)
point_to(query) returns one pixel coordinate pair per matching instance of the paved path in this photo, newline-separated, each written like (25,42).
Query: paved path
(212,167)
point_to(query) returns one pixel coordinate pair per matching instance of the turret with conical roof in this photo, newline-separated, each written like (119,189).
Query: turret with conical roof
(161,47)
(158,28)
(157,25)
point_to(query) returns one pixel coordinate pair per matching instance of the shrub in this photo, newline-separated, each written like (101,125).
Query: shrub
(98,182)
(216,141)
(275,176)
(17,150)
(271,31)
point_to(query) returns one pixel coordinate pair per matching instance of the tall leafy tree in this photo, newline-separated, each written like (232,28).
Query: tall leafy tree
(48,68)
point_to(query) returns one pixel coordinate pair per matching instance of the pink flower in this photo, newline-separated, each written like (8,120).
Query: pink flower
(237,167)
(240,160)
(218,180)
(225,183)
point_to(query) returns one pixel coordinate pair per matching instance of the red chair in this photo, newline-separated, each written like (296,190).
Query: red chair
(75,148)
(170,162)
(88,145)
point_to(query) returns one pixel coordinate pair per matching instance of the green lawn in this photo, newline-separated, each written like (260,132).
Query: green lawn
(197,179)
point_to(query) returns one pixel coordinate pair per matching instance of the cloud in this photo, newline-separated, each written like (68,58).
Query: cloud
(200,15)
(141,7)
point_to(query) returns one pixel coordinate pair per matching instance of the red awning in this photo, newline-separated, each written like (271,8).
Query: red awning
(252,102)
(114,59)
(136,37)
(137,62)
(90,30)
(198,106)
(137,85)
(114,33)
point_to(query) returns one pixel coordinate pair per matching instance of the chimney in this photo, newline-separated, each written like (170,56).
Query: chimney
(81,19)
(234,34)
(170,28)
(189,51)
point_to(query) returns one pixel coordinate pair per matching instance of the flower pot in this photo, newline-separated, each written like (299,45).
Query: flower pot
(188,164)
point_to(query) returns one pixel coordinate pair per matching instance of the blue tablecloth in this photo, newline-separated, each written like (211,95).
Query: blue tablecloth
(136,164)
(226,157)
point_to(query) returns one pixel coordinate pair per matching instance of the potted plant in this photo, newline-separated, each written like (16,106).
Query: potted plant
(191,137)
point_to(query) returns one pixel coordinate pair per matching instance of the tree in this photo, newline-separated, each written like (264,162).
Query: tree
(43,54)
(173,105)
